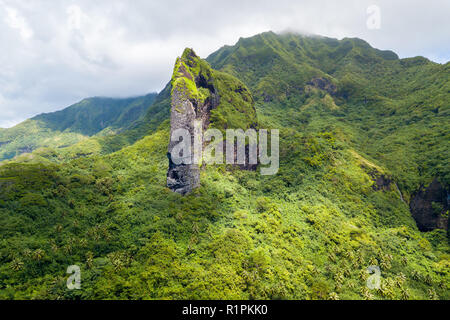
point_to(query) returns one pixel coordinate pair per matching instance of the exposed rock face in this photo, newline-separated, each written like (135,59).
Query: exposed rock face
(186,107)
(212,98)
(382,182)
(429,205)
(182,178)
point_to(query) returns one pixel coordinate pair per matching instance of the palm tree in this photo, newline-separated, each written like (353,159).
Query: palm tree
(401,278)
(68,248)
(89,259)
(405,294)
(27,253)
(366,294)
(117,260)
(404,261)
(333,296)
(432,294)
(38,254)
(16,264)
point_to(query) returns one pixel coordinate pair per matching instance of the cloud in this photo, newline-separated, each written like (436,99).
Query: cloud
(58,52)
(15,21)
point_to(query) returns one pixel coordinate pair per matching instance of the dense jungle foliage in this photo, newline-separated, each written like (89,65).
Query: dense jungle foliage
(347,114)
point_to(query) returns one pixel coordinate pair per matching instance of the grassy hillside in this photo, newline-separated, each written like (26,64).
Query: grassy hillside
(348,115)
(101,116)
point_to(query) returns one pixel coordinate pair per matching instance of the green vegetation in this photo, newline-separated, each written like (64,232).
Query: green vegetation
(95,116)
(236,108)
(196,80)
(395,111)
(309,232)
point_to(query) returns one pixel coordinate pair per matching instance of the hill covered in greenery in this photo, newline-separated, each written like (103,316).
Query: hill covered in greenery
(60,129)
(361,132)
(400,105)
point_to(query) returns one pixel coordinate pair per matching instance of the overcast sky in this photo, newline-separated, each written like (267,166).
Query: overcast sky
(55,53)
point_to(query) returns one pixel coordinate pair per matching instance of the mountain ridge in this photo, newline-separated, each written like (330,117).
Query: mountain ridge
(361,139)
(90,116)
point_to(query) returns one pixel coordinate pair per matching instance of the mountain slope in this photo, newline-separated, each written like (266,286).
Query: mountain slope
(396,104)
(63,128)
(355,123)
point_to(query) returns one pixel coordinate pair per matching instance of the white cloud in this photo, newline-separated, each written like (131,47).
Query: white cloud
(75,17)
(16,21)
(58,52)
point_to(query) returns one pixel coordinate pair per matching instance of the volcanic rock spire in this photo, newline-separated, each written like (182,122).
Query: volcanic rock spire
(202,98)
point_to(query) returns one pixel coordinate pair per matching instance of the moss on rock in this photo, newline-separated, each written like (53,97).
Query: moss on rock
(232,104)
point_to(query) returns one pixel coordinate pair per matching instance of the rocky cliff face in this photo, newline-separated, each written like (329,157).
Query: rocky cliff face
(429,207)
(182,178)
(209,97)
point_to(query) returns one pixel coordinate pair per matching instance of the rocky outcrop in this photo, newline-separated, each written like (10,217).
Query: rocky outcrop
(382,182)
(429,207)
(324,84)
(182,178)
(193,97)
(209,97)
